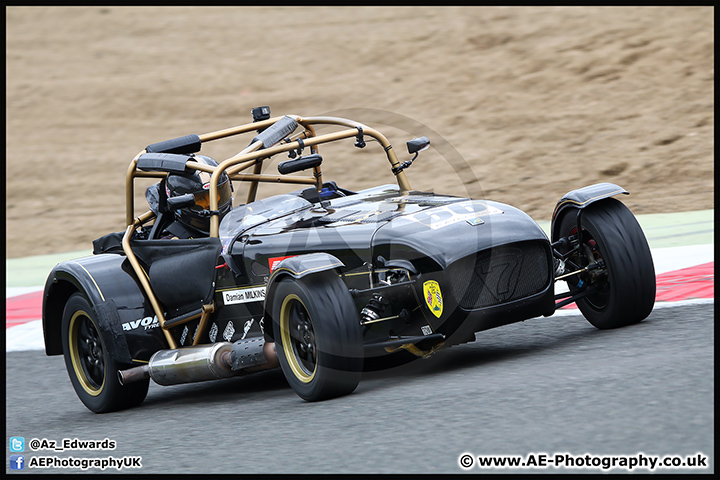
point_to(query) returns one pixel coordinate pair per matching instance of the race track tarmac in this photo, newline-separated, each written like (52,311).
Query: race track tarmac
(550,386)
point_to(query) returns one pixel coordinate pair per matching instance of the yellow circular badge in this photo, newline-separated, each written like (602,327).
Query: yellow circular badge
(433,297)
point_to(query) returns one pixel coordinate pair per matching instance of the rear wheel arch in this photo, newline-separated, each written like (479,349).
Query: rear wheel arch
(56,296)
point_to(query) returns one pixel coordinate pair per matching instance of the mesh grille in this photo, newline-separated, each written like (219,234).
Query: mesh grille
(499,275)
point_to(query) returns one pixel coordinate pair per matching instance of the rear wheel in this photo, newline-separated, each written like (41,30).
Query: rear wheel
(318,336)
(622,269)
(92,371)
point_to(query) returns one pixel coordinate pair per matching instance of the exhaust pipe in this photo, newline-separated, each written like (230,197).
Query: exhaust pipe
(133,374)
(204,362)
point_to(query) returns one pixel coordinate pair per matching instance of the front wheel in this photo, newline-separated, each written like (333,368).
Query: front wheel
(92,371)
(622,273)
(318,336)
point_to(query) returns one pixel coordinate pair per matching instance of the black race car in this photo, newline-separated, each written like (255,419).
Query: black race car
(324,282)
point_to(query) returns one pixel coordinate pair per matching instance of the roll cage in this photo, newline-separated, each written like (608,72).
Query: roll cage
(255,154)
(275,135)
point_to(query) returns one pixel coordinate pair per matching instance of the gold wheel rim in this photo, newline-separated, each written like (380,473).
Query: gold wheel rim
(300,372)
(75,355)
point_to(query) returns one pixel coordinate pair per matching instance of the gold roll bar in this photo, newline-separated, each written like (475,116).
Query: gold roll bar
(252,155)
(228,132)
(392,158)
(251,177)
(142,277)
(267,152)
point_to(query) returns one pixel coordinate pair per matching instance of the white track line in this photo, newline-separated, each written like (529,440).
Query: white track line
(29,335)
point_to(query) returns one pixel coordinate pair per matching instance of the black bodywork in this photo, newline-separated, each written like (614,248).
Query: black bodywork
(425,271)
(382,242)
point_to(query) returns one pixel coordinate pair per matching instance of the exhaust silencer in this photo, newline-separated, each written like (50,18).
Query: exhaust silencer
(203,362)
(182,365)
(190,364)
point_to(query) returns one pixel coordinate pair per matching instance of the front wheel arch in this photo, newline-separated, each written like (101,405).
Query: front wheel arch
(295,267)
(579,199)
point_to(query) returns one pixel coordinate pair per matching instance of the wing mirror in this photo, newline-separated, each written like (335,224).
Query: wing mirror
(417,145)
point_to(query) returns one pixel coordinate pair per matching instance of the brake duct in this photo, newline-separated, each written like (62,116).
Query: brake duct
(199,363)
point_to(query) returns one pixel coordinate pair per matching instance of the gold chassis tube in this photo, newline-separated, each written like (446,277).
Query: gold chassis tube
(204,318)
(251,177)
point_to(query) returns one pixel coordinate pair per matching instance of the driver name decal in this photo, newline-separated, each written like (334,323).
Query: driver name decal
(253,294)
(433,297)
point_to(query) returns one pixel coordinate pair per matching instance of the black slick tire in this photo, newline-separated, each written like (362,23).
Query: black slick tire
(626,288)
(92,371)
(318,336)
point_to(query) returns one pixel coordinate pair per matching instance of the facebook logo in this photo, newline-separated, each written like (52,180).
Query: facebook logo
(17,462)
(17,444)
